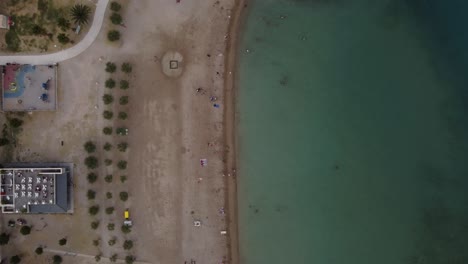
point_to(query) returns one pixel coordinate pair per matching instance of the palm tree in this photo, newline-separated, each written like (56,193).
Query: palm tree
(80,14)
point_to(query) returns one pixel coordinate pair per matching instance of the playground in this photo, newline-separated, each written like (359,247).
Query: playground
(29,87)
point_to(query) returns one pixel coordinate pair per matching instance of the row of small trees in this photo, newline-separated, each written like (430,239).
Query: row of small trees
(116,19)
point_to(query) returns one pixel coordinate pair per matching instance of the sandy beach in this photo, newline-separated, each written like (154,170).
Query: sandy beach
(174,122)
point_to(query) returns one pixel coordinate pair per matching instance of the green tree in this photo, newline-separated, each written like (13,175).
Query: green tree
(97,258)
(108,178)
(91,195)
(113,258)
(109,210)
(15,259)
(25,230)
(124,84)
(16,122)
(110,83)
(63,241)
(110,67)
(63,38)
(123,100)
(107,99)
(129,259)
(126,67)
(122,115)
(122,146)
(123,196)
(93,210)
(91,162)
(92,177)
(107,114)
(90,147)
(128,244)
(107,130)
(123,178)
(110,226)
(113,35)
(116,19)
(94,224)
(4,238)
(114,6)
(57,259)
(112,241)
(108,162)
(39,250)
(107,146)
(108,195)
(80,14)
(126,229)
(122,164)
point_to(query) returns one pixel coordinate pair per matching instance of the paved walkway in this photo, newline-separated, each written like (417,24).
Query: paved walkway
(68,53)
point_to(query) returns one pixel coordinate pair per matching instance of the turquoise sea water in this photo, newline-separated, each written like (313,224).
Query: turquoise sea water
(353,132)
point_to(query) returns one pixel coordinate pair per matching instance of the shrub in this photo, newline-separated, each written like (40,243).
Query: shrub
(4,141)
(123,115)
(110,67)
(107,146)
(91,194)
(93,210)
(16,122)
(122,165)
(109,210)
(128,244)
(57,259)
(114,6)
(39,250)
(113,258)
(63,23)
(110,83)
(107,130)
(90,147)
(15,259)
(123,196)
(122,146)
(108,178)
(91,162)
(94,224)
(116,19)
(92,177)
(126,229)
(12,40)
(123,178)
(108,195)
(123,100)
(97,258)
(4,238)
(124,84)
(112,241)
(63,38)
(38,30)
(107,99)
(63,241)
(110,226)
(129,259)
(126,67)
(25,230)
(113,35)
(96,242)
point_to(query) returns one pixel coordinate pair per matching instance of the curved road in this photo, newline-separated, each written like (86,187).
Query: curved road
(67,53)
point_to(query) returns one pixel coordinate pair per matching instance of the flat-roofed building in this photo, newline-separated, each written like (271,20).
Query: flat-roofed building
(37,188)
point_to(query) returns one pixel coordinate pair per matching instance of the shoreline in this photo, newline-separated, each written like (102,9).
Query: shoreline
(230,90)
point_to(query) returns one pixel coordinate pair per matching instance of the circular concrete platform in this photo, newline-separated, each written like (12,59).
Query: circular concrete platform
(172,64)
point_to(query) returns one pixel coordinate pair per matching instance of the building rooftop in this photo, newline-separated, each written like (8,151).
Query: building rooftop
(30,189)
